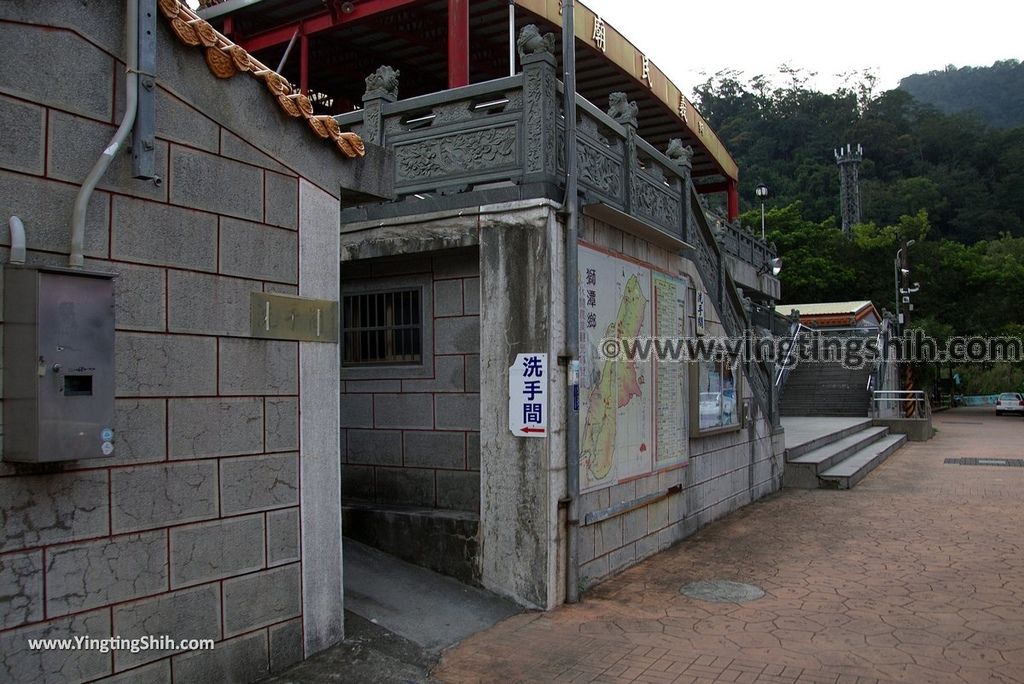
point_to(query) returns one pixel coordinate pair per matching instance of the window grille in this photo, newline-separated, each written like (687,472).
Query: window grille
(382,328)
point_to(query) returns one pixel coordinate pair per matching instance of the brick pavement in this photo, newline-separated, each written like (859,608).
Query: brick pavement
(916,575)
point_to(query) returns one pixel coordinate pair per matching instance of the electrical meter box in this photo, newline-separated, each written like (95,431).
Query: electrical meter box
(58,359)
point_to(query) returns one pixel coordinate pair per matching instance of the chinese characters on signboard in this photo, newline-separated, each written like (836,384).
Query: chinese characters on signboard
(528,396)
(700,320)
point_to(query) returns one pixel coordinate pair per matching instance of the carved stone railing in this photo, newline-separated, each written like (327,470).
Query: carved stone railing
(709,258)
(740,243)
(502,140)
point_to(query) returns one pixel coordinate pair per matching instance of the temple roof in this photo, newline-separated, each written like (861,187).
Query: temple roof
(349,40)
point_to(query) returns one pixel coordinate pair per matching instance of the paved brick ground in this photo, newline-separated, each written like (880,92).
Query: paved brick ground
(916,575)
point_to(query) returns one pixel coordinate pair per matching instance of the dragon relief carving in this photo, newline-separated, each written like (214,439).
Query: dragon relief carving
(456,154)
(654,203)
(598,170)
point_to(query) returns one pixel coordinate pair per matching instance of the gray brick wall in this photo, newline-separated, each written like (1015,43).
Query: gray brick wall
(414,439)
(198,510)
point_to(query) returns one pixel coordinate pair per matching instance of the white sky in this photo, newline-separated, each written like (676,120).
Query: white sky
(894,38)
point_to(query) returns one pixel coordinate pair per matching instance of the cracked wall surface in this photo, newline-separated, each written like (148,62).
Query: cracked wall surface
(192,527)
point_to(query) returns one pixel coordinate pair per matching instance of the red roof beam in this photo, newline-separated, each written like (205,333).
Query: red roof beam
(321,21)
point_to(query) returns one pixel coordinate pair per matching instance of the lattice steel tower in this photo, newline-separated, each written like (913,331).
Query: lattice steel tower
(848,161)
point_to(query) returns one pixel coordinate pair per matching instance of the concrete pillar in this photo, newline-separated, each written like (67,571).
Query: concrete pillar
(540,102)
(374,100)
(521,479)
(319,409)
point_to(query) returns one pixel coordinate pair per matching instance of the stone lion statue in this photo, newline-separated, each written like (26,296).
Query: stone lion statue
(531,42)
(678,153)
(620,109)
(385,79)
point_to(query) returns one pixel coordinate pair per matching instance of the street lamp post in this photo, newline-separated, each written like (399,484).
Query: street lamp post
(901,266)
(762,194)
(899,269)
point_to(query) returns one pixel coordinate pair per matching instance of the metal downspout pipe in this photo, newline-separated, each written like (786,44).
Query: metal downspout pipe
(117,142)
(572,314)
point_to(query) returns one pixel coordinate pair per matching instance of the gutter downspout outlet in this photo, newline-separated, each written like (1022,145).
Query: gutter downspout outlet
(17,240)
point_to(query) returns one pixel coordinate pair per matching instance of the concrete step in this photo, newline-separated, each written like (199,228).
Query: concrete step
(825,410)
(850,411)
(798,450)
(803,470)
(831,403)
(855,467)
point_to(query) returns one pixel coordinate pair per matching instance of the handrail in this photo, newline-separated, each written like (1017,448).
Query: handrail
(800,327)
(445,97)
(880,363)
(825,331)
(915,401)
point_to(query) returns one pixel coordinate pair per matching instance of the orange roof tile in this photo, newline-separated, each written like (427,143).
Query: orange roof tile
(225,59)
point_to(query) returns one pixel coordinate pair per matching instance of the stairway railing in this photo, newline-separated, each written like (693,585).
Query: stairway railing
(894,404)
(710,262)
(786,366)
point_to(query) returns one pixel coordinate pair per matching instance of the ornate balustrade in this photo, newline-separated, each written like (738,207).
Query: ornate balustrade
(502,140)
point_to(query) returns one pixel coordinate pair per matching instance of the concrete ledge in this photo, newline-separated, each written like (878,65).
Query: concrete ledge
(916,429)
(443,541)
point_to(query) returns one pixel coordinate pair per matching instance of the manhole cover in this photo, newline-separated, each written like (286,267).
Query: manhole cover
(1007,462)
(722,591)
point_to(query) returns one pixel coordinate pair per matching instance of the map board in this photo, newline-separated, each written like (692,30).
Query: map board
(632,413)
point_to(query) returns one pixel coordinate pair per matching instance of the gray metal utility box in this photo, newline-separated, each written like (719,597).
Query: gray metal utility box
(58,364)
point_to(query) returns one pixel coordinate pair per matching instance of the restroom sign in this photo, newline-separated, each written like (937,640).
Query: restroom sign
(700,322)
(528,396)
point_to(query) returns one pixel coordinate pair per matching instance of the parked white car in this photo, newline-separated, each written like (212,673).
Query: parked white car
(1010,402)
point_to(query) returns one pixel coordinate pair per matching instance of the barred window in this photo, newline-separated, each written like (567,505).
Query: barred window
(382,328)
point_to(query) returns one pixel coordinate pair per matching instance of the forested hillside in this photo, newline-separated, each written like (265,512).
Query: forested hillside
(947,181)
(995,94)
(968,176)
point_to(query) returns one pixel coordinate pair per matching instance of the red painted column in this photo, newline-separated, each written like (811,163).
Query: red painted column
(304,64)
(733,193)
(458,43)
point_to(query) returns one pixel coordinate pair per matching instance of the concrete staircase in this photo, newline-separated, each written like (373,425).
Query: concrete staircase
(840,459)
(826,389)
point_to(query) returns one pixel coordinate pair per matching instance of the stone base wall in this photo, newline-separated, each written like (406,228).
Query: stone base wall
(412,434)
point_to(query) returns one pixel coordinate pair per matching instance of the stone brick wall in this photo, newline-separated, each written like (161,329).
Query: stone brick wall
(192,529)
(724,472)
(412,436)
